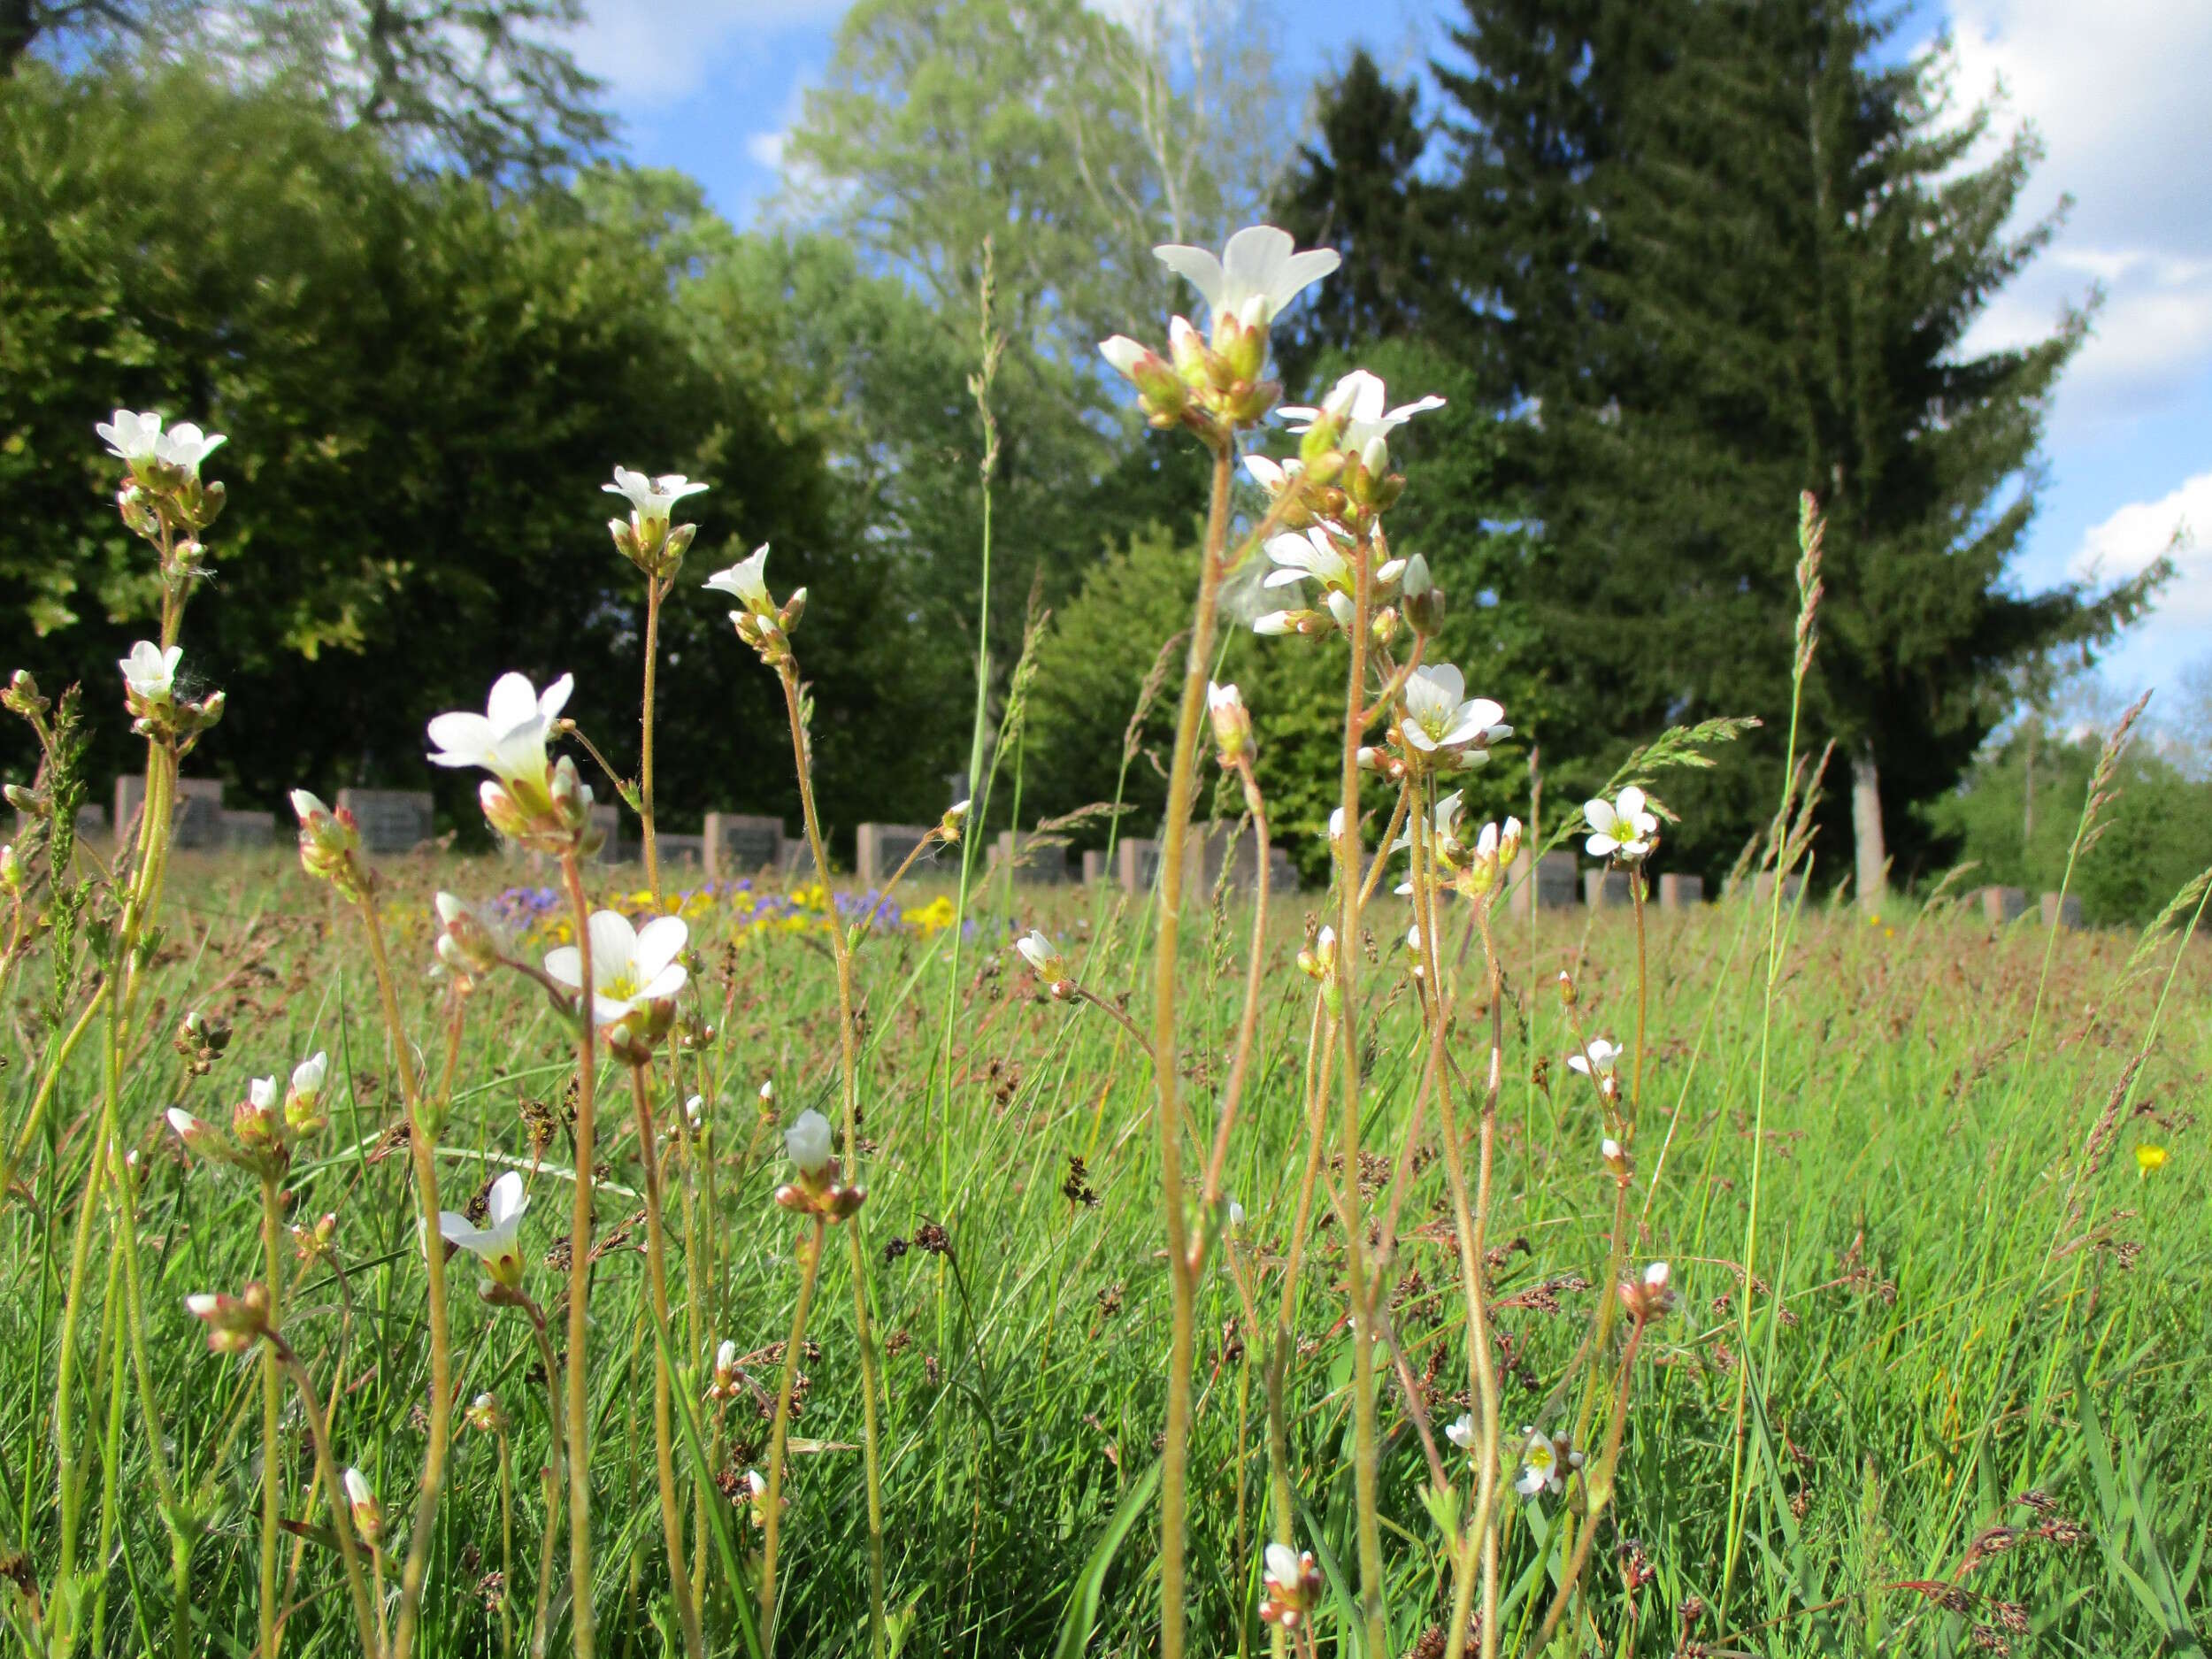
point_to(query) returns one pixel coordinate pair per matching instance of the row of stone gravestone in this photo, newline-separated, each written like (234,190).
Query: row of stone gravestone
(391,821)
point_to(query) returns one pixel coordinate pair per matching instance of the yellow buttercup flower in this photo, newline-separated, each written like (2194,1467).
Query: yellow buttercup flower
(2149,1158)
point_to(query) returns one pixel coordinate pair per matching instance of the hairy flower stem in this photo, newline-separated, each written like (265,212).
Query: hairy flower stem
(421,1144)
(541,1623)
(506,1550)
(1598,1491)
(1249,1023)
(848,1077)
(1471,1223)
(580,1617)
(1182,1275)
(333,1493)
(272,1416)
(810,1267)
(656,589)
(1349,863)
(664,1438)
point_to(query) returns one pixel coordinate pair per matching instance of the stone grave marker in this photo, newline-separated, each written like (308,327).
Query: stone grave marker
(2064,913)
(2000,905)
(1605,889)
(606,816)
(878,850)
(681,850)
(390,820)
(741,844)
(1552,884)
(198,823)
(1093,867)
(1761,888)
(248,831)
(1681,893)
(1136,863)
(1038,861)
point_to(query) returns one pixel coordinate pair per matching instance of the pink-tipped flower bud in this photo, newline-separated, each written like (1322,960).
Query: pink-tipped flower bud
(1648,1297)
(368,1514)
(1231,722)
(234,1324)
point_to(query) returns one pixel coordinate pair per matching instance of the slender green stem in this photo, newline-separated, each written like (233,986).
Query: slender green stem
(271,1416)
(810,1267)
(333,1494)
(582,1624)
(1366,1451)
(664,1436)
(655,589)
(421,1145)
(849,1078)
(1174,836)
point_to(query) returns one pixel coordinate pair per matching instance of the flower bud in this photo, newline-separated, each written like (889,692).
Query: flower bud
(1648,1297)
(1566,988)
(807,1143)
(467,944)
(1616,1157)
(21,697)
(330,845)
(24,800)
(1231,722)
(234,1324)
(485,1413)
(1290,1584)
(1421,599)
(950,825)
(303,1101)
(368,1514)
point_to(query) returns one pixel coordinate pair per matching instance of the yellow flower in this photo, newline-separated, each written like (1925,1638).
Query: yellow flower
(2149,1158)
(930,917)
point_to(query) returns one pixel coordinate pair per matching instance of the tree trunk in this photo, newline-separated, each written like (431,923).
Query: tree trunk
(1866,826)
(19,27)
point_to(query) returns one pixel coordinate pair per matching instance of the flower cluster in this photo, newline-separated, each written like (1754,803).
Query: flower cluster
(819,1189)
(763,624)
(264,1125)
(530,800)
(634,979)
(234,1324)
(163,494)
(330,846)
(1290,1586)
(150,692)
(1215,382)
(646,538)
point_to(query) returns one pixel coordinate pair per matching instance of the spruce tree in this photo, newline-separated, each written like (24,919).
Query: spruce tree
(1795,250)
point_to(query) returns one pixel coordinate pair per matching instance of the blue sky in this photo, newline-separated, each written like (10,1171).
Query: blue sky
(2114,89)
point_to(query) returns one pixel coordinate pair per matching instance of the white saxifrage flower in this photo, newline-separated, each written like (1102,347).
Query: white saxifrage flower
(508,740)
(1544,1468)
(763,624)
(1312,556)
(1354,416)
(497,1244)
(1462,1432)
(747,583)
(651,498)
(1290,1583)
(1442,719)
(632,968)
(139,440)
(807,1143)
(1258,273)
(1602,1057)
(1044,957)
(1623,827)
(150,672)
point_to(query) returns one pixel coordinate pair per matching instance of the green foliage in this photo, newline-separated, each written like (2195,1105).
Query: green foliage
(2016,813)
(425,383)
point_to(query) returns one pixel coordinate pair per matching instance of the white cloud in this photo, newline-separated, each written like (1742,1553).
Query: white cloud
(2115,92)
(649,51)
(2131,539)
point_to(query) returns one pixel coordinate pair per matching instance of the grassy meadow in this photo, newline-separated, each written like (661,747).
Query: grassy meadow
(1962,1409)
